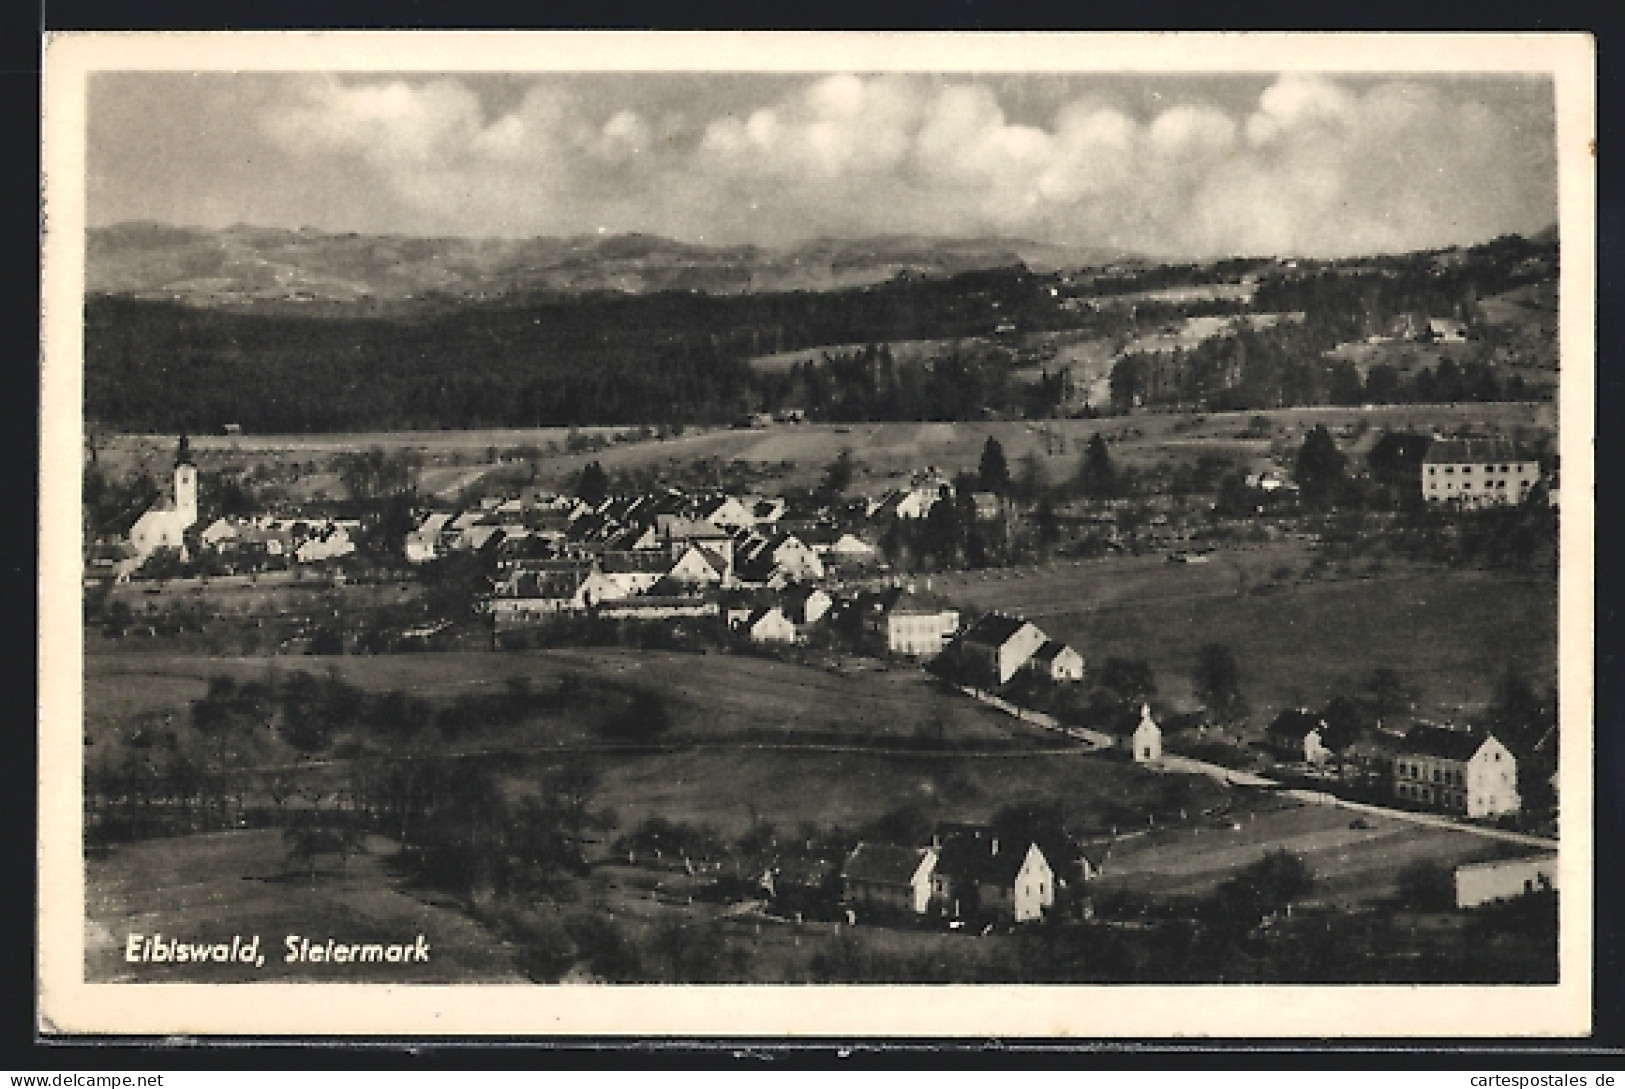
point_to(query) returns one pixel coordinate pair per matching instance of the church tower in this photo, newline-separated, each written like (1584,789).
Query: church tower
(185,484)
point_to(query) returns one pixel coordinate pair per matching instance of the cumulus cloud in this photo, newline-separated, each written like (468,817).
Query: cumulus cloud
(1310,166)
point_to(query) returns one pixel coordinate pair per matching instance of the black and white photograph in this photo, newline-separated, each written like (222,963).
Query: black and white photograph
(544,525)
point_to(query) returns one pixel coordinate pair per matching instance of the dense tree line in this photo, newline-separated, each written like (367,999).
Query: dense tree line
(670,357)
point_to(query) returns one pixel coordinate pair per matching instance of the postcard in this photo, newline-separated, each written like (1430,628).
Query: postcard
(830,535)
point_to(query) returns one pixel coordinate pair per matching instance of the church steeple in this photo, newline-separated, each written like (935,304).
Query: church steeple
(185,483)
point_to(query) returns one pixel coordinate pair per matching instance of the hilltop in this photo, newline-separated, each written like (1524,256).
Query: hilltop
(245,264)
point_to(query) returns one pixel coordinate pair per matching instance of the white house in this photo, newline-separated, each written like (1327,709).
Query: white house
(1057,661)
(423,543)
(325,542)
(697,566)
(769,625)
(727,512)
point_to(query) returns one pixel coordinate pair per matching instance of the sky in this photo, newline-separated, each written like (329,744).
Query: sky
(1199,166)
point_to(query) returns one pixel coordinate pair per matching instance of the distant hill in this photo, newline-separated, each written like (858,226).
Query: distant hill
(249,264)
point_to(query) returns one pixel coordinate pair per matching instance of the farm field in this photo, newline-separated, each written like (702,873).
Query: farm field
(797,453)
(710,697)
(1452,633)
(723,787)
(903,351)
(210,887)
(1352,866)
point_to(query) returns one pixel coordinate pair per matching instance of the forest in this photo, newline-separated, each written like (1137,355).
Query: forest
(676,357)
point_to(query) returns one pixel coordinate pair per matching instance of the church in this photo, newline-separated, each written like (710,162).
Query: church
(164,524)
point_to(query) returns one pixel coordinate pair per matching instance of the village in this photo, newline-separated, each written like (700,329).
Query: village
(826,578)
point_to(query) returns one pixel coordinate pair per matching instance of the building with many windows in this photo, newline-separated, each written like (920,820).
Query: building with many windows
(1457,772)
(1477,472)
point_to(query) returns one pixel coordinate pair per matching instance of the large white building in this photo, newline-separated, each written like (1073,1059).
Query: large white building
(1456,771)
(1477,472)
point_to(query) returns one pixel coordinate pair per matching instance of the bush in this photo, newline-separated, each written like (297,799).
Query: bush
(644,718)
(1426,885)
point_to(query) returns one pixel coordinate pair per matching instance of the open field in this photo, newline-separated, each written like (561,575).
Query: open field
(885,449)
(1452,633)
(210,887)
(1352,866)
(710,697)
(272,593)
(723,787)
(903,351)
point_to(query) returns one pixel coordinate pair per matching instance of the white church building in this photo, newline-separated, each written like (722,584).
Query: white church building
(164,525)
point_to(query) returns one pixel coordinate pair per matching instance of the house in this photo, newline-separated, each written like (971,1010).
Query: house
(700,566)
(992,650)
(423,543)
(221,534)
(631,572)
(765,510)
(1299,735)
(888,880)
(726,512)
(529,595)
(975,879)
(910,503)
(1447,330)
(1057,662)
(850,548)
(769,625)
(1456,771)
(325,542)
(1503,879)
(801,885)
(785,552)
(986,506)
(164,524)
(1477,472)
(681,533)
(915,624)
(806,604)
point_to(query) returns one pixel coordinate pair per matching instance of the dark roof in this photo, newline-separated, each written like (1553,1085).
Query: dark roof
(804,871)
(1295,724)
(1049,651)
(635,563)
(1458,451)
(1440,742)
(993,630)
(974,860)
(883,863)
